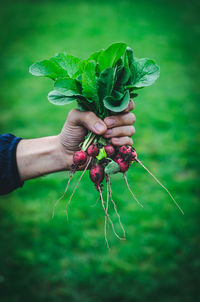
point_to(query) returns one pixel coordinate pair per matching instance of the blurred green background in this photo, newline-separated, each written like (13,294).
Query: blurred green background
(44,259)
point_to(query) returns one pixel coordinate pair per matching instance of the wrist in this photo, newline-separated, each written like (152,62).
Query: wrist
(37,157)
(63,157)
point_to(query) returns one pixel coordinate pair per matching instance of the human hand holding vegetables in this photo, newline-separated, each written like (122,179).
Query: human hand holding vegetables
(40,156)
(117,128)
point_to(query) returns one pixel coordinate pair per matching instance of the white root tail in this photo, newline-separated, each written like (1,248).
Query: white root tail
(67,186)
(106,217)
(102,202)
(94,205)
(77,186)
(115,207)
(139,162)
(125,178)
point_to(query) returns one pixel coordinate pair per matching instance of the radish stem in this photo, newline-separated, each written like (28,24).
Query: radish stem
(88,141)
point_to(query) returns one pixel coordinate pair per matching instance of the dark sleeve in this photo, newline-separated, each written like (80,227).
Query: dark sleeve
(9,176)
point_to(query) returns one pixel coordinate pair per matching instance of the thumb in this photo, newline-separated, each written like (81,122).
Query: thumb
(87,119)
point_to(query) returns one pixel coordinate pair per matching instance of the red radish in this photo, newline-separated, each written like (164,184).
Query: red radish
(127,153)
(123,165)
(123,150)
(117,157)
(97,174)
(110,150)
(93,150)
(133,155)
(79,158)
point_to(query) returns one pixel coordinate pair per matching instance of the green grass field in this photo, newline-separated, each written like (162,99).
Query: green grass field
(44,259)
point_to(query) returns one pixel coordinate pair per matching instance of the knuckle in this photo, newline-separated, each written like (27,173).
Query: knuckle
(89,116)
(120,131)
(71,115)
(132,118)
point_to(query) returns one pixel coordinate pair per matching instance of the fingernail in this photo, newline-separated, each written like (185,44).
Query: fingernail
(99,127)
(110,122)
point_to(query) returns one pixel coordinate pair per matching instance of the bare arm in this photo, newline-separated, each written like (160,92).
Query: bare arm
(36,157)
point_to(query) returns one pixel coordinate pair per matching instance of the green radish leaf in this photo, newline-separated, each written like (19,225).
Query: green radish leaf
(123,75)
(67,86)
(47,68)
(112,168)
(117,95)
(145,72)
(119,64)
(79,78)
(128,60)
(105,83)
(133,94)
(58,98)
(115,105)
(95,55)
(89,82)
(67,62)
(78,74)
(128,57)
(111,55)
(102,154)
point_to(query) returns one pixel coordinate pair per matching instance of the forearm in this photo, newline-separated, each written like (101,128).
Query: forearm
(40,156)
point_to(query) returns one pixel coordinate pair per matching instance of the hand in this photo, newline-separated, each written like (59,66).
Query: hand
(118,128)
(40,156)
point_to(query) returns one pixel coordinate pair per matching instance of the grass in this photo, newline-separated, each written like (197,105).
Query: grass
(51,260)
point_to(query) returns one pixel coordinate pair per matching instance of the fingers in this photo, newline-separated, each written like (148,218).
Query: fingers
(124,119)
(120,131)
(117,127)
(120,127)
(120,141)
(130,107)
(87,119)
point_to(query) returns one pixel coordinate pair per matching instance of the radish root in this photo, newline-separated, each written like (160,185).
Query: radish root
(105,226)
(115,207)
(94,205)
(102,202)
(139,162)
(125,178)
(67,186)
(77,186)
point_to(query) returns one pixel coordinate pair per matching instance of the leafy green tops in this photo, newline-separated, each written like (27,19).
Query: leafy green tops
(103,83)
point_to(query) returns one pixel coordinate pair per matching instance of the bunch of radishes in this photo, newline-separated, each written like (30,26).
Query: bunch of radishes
(123,156)
(103,84)
(102,161)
